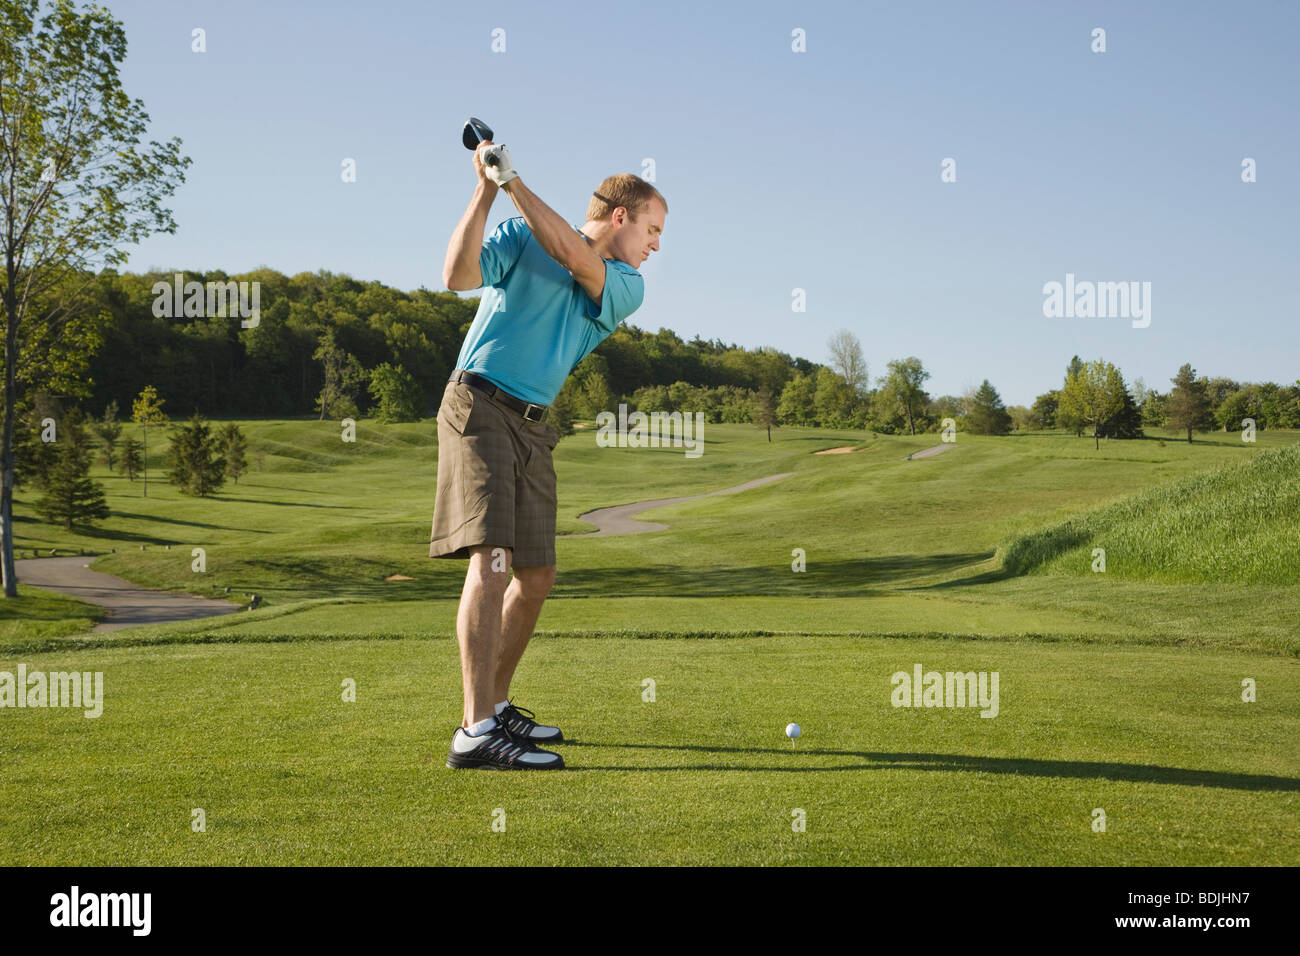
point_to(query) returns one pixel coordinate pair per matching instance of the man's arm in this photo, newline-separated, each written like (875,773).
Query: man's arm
(461,270)
(560,240)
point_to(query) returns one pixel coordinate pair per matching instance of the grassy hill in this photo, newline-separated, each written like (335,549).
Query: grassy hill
(1234,525)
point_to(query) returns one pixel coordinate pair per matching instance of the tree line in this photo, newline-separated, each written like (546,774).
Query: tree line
(334,347)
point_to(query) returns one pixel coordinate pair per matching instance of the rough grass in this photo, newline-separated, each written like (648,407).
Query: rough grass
(1237,525)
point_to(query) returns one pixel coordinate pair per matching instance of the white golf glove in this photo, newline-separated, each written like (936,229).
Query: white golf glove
(497,165)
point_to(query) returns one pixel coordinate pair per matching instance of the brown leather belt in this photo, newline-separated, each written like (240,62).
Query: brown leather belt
(529,410)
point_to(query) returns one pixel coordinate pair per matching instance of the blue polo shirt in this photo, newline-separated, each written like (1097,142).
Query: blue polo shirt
(534,321)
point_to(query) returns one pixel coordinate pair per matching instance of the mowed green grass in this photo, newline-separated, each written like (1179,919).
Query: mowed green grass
(286,772)
(912,545)
(1117,690)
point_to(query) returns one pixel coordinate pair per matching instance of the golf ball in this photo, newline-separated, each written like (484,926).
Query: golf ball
(793,730)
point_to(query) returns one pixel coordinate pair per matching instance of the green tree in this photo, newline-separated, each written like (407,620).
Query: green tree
(560,414)
(1022,418)
(344,375)
(146,411)
(193,460)
(1189,404)
(988,416)
(1243,403)
(72,497)
(764,410)
(397,392)
(1093,395)
(1155,411)
(76,187)
(34,457)
(109,431)
(233,445)
(1217,390)
(903,387)
(1127,422)
(847,359)
(131,462)
(947,406)
(835,400)
(1065,414)
(588,387)
(798,404)
(1043,412)
(595,396)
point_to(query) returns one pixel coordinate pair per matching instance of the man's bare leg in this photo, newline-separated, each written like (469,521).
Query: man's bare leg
(478,630)
(519,613)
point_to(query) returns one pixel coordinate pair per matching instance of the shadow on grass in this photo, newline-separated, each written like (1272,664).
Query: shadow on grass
(1172,438)
(278,579)
(1023,555)
(286,504)
(158,519)
(957,763)
(853,578)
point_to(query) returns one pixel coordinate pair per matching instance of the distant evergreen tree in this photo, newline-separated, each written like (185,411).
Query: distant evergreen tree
(72,497)
(1127,422)
(131,461)
(233,444)
(987,415)
(109,431)
(34,458)
(193,463)
(1188,405)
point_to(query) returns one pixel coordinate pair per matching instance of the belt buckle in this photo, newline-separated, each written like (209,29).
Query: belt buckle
(530,406)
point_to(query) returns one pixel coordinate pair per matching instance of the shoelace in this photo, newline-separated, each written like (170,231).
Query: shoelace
(519,711)
(523,743)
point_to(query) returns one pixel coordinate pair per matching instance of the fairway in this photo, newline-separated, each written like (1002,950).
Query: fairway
(1119,691)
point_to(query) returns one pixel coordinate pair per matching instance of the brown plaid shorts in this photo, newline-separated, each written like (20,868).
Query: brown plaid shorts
(496,481)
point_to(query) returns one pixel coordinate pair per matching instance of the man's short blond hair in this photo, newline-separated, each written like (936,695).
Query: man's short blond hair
(623,189)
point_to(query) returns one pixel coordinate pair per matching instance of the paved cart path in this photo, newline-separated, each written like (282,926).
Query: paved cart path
(930,452)
(128,604)
(619,519)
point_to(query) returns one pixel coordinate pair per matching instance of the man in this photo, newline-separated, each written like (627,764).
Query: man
(555,294)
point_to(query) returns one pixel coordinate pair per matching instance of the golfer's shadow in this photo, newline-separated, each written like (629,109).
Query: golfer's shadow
(1026,767)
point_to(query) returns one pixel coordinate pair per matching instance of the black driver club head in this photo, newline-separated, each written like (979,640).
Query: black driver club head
(475,132)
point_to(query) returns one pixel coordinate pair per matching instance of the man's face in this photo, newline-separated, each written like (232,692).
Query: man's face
(640,237)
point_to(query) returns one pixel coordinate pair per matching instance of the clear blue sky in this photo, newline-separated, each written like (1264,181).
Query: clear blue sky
(782,170)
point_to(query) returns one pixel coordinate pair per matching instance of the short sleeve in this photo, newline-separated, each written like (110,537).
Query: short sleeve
(624,291)
(501,250)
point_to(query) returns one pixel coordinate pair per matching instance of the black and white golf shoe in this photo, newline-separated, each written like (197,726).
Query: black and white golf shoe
(521,724)
(499,749)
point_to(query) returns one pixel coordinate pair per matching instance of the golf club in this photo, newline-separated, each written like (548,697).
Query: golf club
(474,133)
